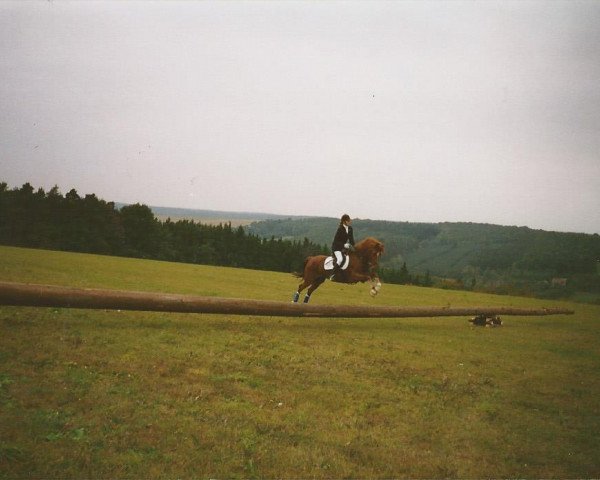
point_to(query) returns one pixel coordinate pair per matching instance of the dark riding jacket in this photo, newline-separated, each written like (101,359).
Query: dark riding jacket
(341,238)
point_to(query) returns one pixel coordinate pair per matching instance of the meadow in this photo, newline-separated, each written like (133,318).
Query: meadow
(113,394)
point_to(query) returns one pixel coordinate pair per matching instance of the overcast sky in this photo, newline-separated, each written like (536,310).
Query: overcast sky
(484,111)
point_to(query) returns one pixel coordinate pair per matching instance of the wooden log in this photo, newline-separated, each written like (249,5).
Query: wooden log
(20,294)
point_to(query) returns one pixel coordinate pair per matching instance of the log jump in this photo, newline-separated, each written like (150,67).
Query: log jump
(32,295)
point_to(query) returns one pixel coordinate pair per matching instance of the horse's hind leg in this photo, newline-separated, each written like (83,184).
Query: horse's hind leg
(301,287)
(313,287)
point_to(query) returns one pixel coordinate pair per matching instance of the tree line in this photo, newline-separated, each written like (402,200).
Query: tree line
(402,276)
(48,220)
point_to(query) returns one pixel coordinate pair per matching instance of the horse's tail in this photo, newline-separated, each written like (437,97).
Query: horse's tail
(301,274)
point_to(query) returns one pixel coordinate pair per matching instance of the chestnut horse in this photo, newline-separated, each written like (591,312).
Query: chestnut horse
(364,261)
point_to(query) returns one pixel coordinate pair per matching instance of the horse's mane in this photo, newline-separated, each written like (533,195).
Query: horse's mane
(367,244)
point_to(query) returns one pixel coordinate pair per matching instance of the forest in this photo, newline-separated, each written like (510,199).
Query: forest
(48,220)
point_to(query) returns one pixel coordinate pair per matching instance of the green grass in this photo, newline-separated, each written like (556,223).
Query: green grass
(108,394)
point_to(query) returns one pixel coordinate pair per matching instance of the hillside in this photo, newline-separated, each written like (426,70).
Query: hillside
(486,255)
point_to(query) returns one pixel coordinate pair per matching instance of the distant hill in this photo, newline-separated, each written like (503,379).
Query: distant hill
(210,216)
(474,254)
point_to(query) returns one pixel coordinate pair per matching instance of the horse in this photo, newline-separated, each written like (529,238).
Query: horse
(364,261)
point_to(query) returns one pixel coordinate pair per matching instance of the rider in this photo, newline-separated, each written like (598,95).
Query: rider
(342,243)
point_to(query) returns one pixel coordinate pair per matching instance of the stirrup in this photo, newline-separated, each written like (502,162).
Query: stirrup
(336,269)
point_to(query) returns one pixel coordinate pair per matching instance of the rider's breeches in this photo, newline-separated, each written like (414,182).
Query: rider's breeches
(338,257)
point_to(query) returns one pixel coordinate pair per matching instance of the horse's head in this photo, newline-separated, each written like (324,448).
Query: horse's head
(370,249)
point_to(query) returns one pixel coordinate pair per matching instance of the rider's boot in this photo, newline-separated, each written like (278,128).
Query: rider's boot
(336,269)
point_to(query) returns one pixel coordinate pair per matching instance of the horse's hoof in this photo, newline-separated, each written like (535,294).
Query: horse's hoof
(373,292)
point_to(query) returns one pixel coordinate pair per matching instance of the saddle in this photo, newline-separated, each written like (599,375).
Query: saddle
(329,263)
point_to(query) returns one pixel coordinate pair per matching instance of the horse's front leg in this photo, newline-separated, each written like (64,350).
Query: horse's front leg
(375,286)
(375,282)
(358,277)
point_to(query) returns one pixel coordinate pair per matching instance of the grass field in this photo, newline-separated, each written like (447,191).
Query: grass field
(110,394)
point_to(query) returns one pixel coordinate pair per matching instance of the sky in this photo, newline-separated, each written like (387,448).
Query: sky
(428,111)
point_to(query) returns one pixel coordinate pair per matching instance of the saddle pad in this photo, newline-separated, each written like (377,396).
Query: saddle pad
(329,263)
